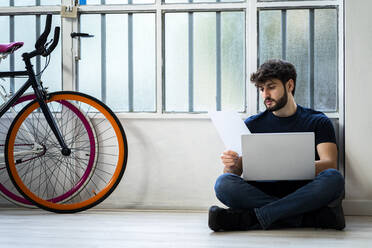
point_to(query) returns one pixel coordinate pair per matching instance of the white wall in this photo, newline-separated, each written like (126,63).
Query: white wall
(172,164)
(358,106)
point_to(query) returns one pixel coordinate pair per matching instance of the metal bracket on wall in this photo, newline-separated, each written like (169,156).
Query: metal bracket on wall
(69,11)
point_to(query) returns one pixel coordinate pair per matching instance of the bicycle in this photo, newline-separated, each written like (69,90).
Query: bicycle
(64,151)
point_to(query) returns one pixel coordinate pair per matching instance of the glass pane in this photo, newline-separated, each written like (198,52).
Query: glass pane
(298,52)
(24,2)
(52,76)
(233,60)
(117,62)
(285,0)
(203,1)
(91,2)
(34,2)
(24,30)
(325,67)
(231,1)
(143,1)
(176,62)
(116,1)
(144,62)
(176,1)
(270,39)
(204,61)
(114,45)
(50,2)
(90,63)
(200,1)
(4,38)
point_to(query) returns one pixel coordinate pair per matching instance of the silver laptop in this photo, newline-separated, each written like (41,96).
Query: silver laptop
(278,156)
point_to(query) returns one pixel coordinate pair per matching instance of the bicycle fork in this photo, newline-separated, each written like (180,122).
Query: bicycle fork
(52,124)
(41,98)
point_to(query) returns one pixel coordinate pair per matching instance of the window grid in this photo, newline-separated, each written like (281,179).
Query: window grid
(161,8)
(311,50)
(191,61)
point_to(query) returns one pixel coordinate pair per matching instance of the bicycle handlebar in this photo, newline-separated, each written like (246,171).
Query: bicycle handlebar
(41,49)
(54,44)
(43,37)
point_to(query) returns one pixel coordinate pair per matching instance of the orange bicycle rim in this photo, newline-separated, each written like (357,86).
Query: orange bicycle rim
(67,206)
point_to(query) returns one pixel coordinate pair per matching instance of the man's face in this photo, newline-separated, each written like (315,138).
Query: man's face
(274,94)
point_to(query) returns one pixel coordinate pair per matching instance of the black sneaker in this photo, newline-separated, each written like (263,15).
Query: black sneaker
(221,219)
(331,218)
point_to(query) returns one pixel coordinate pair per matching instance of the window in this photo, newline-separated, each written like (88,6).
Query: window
(173,56)
(202,54)
(204,61)
(189,56)
(307,38)
(117,65)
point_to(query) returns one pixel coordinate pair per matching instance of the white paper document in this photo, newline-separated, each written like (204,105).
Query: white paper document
(230,127)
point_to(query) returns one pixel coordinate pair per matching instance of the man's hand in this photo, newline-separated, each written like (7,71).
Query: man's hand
(232,162)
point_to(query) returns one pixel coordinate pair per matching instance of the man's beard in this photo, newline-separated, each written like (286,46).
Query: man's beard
(280,103)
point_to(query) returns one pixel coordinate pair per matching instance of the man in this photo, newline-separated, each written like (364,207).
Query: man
(278,204)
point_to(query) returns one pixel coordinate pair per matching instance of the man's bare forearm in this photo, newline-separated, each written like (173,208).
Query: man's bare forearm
(322,165)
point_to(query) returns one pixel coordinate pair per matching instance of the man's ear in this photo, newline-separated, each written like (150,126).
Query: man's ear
(290,85)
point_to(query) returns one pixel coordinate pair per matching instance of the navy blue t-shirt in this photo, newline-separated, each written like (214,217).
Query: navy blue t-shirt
(304,120)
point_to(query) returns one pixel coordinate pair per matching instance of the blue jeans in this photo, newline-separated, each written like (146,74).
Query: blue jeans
(280,203)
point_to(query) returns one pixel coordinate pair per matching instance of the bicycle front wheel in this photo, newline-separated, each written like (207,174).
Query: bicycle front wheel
(52,174)
(7,188)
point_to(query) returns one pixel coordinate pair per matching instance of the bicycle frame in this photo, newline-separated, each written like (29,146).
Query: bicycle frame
(40,97)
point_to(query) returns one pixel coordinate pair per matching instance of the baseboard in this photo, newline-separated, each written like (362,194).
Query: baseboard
(357,207)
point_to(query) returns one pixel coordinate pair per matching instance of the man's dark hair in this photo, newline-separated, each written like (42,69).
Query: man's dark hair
(275,69)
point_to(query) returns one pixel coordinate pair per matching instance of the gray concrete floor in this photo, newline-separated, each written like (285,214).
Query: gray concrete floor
(113,228)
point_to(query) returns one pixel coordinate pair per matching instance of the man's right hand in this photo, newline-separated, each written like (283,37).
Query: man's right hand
(232,162)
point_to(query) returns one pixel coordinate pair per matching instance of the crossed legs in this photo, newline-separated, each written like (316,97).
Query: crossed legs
(236,193)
